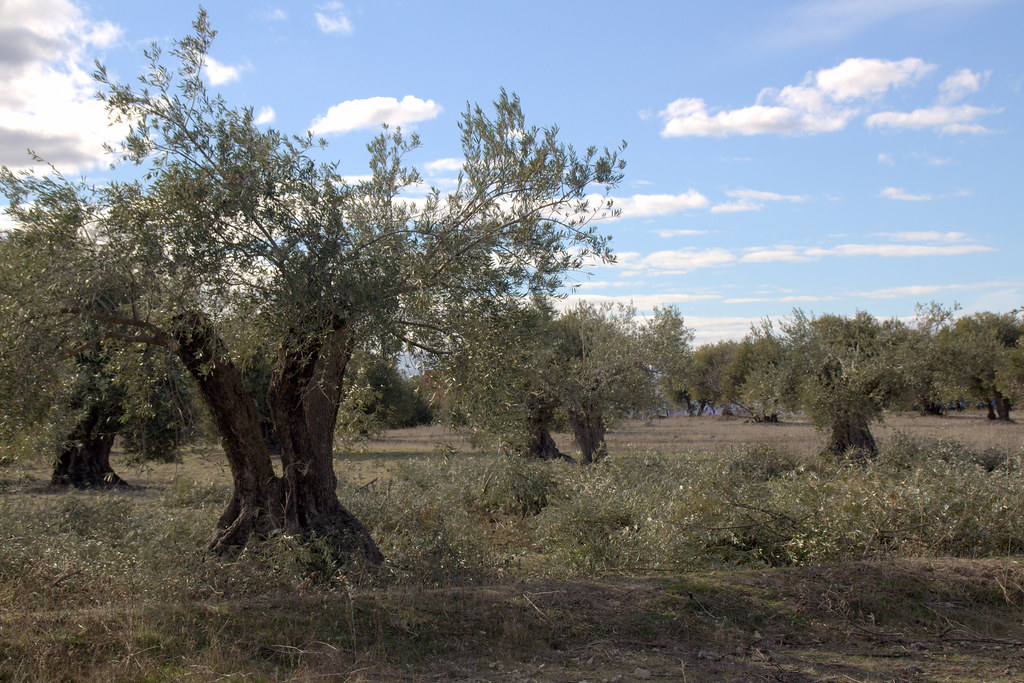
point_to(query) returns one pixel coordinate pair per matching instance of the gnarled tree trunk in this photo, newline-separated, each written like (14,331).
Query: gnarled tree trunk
(588,427)
(255,507)
(84,462)
(851,436)
(541,444)
(303,501)
(305,391)
(1001,406)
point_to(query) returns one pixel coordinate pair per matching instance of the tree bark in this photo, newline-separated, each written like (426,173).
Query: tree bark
(1002,407)
(84,462)
(303,501)
(255,506)
(305,392)
(541,444)
(589,429)
(851,437)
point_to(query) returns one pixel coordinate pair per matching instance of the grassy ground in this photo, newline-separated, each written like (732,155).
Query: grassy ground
(704,549)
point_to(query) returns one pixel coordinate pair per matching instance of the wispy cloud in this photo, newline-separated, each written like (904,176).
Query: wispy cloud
(643,302)
(792,299)
(675,261)
(929,290)
(374,111)
(831,21)
(945,119)
(777,254)
(753,200)
(925,236)
(798,254)
(897,250)
(902,195)
(960,84)
(332,19)
(669,234)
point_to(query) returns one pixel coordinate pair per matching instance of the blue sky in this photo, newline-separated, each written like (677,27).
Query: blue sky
(836,156)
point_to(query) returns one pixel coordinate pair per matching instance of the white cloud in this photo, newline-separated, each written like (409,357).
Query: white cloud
(929,290)
(708,330)
(820,104)
(641,205)
(960,84)
(925,236)
(274,14)
(806,299)
(886,159)
(643,302)
(760,196)
(333,19)
(443,165)
(220,73)
(676,261)
(690,117)
(958,119)
(902,195)
(374,111)
(752,200)
(46,102)
(775,254)
(669,234)
(265,115)
(797,254)
(859,77)
(826,101)
(898,250)
(737,206)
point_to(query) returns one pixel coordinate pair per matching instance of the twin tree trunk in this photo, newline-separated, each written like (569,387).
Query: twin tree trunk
(304,397)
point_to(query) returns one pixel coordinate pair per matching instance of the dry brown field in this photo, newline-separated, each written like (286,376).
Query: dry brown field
(142,602)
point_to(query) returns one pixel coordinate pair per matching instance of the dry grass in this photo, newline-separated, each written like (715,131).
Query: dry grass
(113,586)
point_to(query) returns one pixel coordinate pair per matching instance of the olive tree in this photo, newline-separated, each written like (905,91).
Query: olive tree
(706,381)
(606,371)
(530,371)
(981,346)
(223,231)
(758,377)
(844,372)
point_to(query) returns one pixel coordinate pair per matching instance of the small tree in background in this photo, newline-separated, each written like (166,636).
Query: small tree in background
(845,372)
(606,371)
(669,343)
(981,348)
(758,377)
(526,372)
(706,384)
